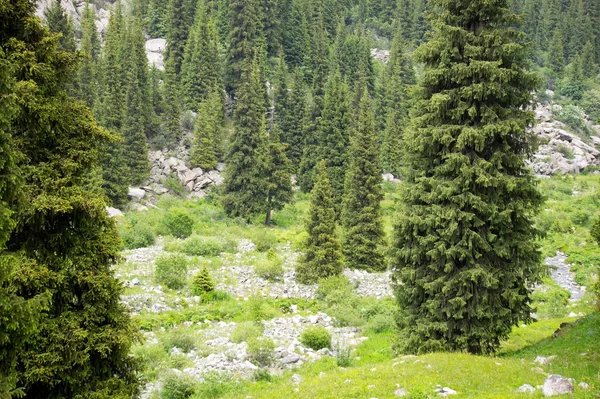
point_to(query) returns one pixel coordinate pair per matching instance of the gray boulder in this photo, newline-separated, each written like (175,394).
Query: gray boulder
(557,385)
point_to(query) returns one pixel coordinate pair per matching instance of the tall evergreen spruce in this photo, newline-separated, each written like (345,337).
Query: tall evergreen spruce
(177,33)
(465,251)
(244,193)
(246,38)
(59,22)
(333,135)
(296,40)
(87,75)
(63,244)
(361,213)
(322,255)
(292,124)
(172,111)
(201,70)
(208,132)
(277,175)
(135,144)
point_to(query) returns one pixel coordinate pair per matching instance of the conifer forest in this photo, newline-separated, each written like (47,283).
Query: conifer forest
(302,199)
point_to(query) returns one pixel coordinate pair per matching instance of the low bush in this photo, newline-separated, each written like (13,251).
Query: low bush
(260,309)
(245,331)
(263,238)
(202,282)
(171,271)
(272,268)
(262,375)
(179,222)
(381,323)
(595,230)
(316,337)
(174,185)
(551,301)
(261,351)
(334,283)
(574,116)
(196,245)
(173,245)
(181,338)
(177,387)
(566,151)
(140,235)
(343,356)
(215,385)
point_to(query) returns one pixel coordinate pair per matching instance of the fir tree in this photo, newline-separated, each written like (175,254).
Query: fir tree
(201,69)
(556,53)
(66,242)
(203,282)
(588,60)
(333,137)
(296,42)
(87,84)
(208,132)
(172,112)
(246,39)
(361,214)
(155,21)
(465,255)
(59,22)
(271,11)
(278,176)
(244,193)
(292,124)
(135,144)
(177,33)
(322,255)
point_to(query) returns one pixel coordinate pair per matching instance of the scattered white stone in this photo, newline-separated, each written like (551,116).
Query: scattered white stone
(557,385)
(400,392)
(113,212)
(445,391)
(296,379)
(544,360)
(584,385)
(526,388)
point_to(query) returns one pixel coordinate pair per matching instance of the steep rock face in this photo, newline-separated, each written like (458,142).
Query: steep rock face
(74,8)
(154,52)
(561,151)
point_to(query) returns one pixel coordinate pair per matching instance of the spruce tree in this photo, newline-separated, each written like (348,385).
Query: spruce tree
(277,175)
(87,79)
(333,136)
(63,244)
(296,41)
(361,214)
(272,19)
(465,253)
(177,33)
(155,21)
(244,191)
(208,132)
(135,144)
(246,39)
(172,111)
(588,60)
(322,255)
(59,22)
(201,71)
(292,124)
(556,53)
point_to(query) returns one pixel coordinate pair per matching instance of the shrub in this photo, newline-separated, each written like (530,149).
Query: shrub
(245,331)
(565,151)
(345,315)
(179,222)
(260,309)
(214,385)
(343,356)
(272,268)
(202,246)
(595,230)
(171,271)
(140,235)
(551,301)
(562,226)
(177,387)
(262,375)
(202,282)
(263,239)
(334,283)
(316,337)
(174,185)
(173,245)
(574,116)
(179,338)
(188,119)
(381,322)
(260,351)
(590,102)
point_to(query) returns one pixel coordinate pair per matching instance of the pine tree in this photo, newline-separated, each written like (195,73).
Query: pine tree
(322,255)
(208,132)
(246,39)
(244,192)
(292,124)
(588,60)
(177,33)
(201,70)
(465,255)
(277,174)
(333,136)
(556,53)
(398,78)
(63,244)
(361,213)
(87,83)
(155,21)
(203,282)
(172,111)
(135,144)
(296,41)
(271,11)
(110,109)
(59,22)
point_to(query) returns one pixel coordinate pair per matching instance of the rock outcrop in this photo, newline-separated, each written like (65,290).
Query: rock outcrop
(154,52)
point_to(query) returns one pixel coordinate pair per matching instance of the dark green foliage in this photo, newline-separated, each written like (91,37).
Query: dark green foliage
(155,21)
(322,255)
(361,212)
(556,53)
(171,271)
(201,71)
(172,112)
(177,33)
(595,230)
(140,235)
(245,189)
(86,85)
(179,222)
(292,121)
(465,248)
(588,60)
(296,41)
(333,136)
(261,351)
(352,55)
(202,282)
(277,175)
(271,11)
(59,22)
(64,240)
(316,338)
(177,387)
(208,132)
(246,39)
